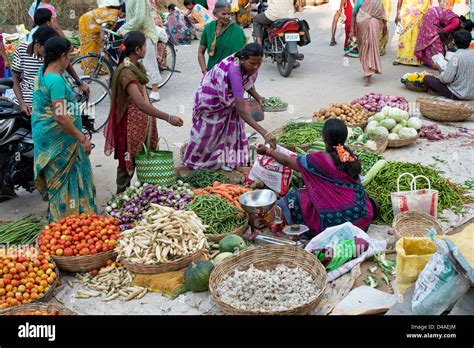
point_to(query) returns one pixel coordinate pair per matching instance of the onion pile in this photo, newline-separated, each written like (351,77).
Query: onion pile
(129,206)
(374,102)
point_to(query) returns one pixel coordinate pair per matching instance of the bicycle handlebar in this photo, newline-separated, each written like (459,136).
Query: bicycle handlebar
(110,31)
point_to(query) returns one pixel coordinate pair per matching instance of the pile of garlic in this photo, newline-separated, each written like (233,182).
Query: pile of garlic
(279,289)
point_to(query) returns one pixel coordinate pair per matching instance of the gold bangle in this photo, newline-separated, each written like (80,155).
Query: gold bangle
(266,134)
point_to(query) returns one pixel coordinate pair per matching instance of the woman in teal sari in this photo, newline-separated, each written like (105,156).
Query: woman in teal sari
(63,172)
(220,38)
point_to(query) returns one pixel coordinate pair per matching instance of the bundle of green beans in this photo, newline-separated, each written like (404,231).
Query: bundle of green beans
(450,195)
(367,159)
(316,125)
(23,231)
(200,178)
(273,102)
(217,213)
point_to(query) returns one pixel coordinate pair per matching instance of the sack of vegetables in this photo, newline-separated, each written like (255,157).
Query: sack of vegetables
(80,243)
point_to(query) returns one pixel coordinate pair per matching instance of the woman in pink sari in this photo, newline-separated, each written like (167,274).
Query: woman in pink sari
(369,16)
(333,193)
(437,24)
(217,138)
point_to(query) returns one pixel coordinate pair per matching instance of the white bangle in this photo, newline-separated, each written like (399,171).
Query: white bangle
(169,118)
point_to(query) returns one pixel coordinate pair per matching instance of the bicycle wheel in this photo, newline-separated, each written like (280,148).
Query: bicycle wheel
(93,65)
(99,102)
(167,68)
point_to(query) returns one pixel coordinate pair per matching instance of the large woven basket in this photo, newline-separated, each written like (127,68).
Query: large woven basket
(32,307)
(268,257)
(444,110)
(164,267)
(240,231)
(401,142)
(279,132)
(234,177)
(415,86)
(84,263)
(414,224)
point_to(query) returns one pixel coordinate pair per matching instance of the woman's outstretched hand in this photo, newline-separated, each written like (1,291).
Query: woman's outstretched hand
(176,121)
(270,140)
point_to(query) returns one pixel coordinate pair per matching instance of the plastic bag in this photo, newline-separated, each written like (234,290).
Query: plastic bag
(332,236)
(439,285)
(413,253)
(274,175)
(234,6)
(425,200)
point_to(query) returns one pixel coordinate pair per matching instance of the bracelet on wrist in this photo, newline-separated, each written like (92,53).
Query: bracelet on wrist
(269,151)
(169,118)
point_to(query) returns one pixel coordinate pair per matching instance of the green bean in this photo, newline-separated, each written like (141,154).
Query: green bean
(301,133)
(217,213)
(367,159)
(200,178)
(23,231)
(450,195)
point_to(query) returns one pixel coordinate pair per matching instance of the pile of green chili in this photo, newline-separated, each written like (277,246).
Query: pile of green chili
(200,178)
(367,159)
(217,213)
(450,196)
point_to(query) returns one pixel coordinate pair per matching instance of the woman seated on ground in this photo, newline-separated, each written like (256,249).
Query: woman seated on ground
(63,173)
(438,23)
(217,138)
(179,26)
(198,14)
(132,119)
(456,81)
(333,194)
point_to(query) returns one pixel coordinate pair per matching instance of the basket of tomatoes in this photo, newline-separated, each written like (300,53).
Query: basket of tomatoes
(26,275)
(80,243)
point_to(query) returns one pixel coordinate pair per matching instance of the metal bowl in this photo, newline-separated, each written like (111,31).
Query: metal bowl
(258,201)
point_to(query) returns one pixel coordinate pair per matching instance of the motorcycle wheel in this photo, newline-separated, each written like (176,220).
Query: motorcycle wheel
(285,66)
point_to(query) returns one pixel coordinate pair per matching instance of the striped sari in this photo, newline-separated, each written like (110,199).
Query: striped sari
(218,132)
(63,173)
(330,198)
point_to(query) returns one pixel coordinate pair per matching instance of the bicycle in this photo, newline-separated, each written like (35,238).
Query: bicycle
(103,64)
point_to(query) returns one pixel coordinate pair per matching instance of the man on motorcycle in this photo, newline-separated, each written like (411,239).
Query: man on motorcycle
(277,9)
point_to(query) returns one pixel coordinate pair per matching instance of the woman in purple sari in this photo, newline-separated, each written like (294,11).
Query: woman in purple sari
(217,138)
(438,23)
(333,193)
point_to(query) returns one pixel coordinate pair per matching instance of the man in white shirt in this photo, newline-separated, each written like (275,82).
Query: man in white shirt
(277,9)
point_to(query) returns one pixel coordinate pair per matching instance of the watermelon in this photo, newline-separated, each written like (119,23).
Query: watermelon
(196,276)
(230,243)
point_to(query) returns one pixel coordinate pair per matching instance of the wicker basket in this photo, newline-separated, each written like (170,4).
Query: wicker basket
(268,257)
(414,224)
(164,267)
(415,87)
(240,231)
(279,131)
(84,263)
(444,110)
(401,142)
(234,177)
(32,307)
(281,108)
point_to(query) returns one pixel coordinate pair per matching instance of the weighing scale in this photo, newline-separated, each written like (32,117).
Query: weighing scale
(257,204)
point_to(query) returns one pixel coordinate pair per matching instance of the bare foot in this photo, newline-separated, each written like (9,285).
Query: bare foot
(333,43)
(366,80)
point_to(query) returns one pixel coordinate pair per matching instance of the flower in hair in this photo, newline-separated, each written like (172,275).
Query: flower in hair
(343,154)
(122,47)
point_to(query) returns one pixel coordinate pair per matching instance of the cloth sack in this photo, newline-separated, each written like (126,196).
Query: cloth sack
(333,236)
(274,175)
(413,253)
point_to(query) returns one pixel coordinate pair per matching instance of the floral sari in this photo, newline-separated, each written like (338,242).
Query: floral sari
(180,28)
(201,16)
(330,198)
(63,173)
(411,17)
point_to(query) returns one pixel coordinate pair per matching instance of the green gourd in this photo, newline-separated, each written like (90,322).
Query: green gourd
(196,276)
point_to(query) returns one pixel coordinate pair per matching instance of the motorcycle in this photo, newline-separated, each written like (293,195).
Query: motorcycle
(17,148)
(281,41)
